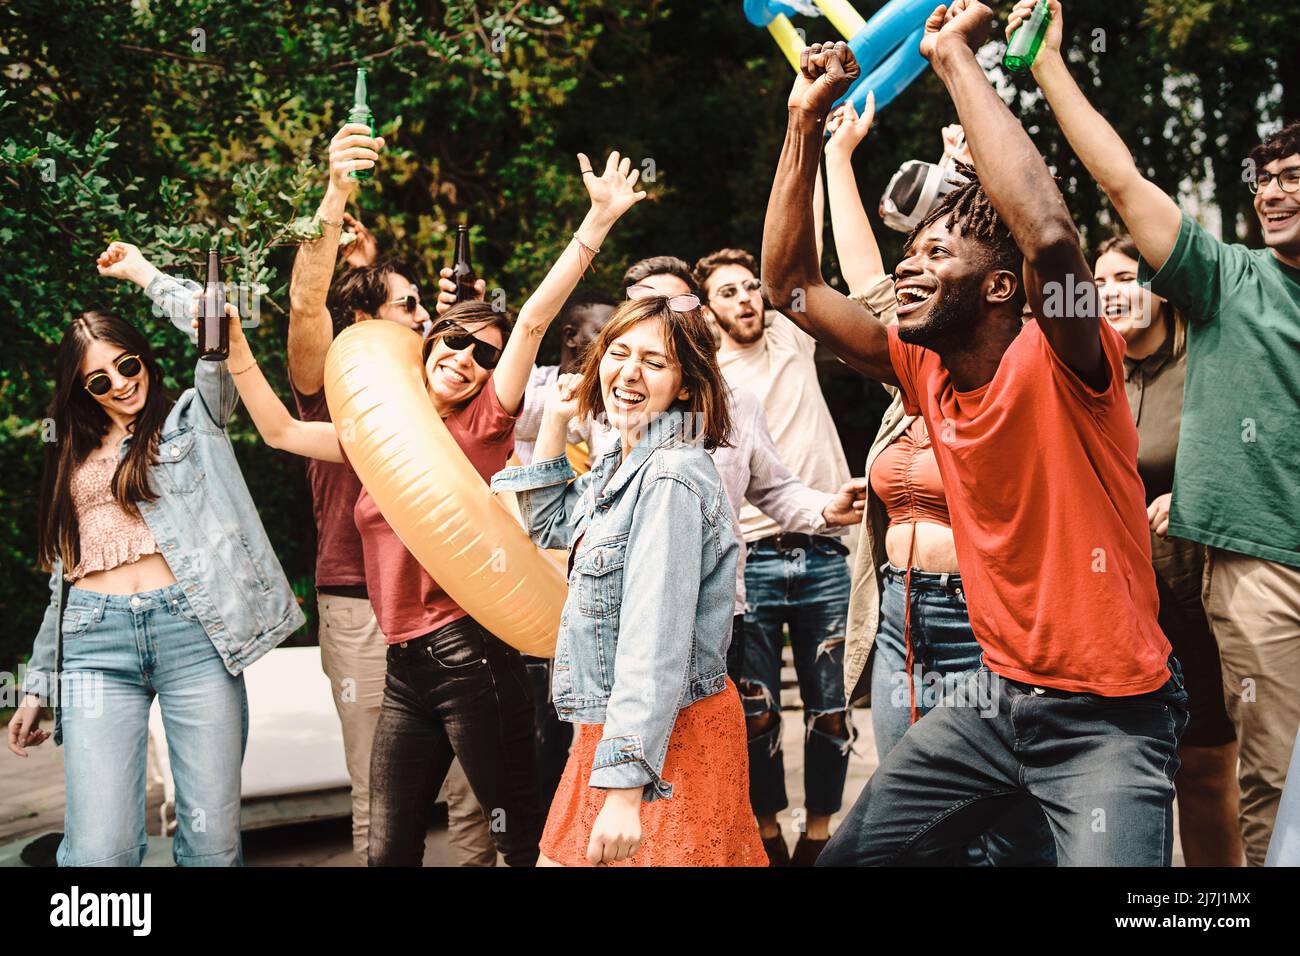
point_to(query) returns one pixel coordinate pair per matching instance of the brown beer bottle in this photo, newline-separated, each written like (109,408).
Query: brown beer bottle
(462,271)
(214,330)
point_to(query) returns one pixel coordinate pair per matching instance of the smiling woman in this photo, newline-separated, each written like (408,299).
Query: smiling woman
(150,536)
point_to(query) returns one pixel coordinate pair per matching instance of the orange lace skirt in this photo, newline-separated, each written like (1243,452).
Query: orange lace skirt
(707,822)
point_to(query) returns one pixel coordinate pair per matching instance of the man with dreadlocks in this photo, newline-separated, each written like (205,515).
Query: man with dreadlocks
(1079,705)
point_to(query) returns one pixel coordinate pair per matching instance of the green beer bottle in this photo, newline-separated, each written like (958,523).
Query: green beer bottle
(360,113)
(1024,43)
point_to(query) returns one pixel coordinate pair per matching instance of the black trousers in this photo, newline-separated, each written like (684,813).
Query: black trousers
(456,693)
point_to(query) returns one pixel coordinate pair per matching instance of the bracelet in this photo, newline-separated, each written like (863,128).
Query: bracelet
(252,364)
(591,254)
(330,222)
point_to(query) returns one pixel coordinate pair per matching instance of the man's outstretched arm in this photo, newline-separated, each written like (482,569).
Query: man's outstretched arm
(1021,189)
(310,328)
(791,271)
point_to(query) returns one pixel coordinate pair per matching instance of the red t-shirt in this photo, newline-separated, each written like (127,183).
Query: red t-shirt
(1048,516)
(334,491)
(407,602)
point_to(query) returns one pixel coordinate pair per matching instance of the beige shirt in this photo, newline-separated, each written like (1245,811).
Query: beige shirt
(780,370)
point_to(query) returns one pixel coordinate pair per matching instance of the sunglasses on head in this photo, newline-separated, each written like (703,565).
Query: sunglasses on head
(678,303)
(486,355)
(128,366)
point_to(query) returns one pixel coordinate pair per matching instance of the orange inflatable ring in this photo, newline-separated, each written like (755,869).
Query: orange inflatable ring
(430,494)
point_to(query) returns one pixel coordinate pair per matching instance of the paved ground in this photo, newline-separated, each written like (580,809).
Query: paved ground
(31,803)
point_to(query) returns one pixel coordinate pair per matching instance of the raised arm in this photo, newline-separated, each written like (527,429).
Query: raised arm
(274,422)
(545,489)
(1019,185)
(310,328)
(612,193)
(792,278)
(855,243)
(1149,214)
(174,298)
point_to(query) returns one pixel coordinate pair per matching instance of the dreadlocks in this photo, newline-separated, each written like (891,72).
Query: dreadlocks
(969,206)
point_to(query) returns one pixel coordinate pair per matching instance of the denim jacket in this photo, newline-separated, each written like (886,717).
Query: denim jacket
(204,523)
(652,586)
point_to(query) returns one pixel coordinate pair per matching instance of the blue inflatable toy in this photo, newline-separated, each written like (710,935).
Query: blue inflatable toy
(887,47)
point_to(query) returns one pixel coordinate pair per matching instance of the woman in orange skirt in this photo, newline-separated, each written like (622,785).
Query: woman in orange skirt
(658,775)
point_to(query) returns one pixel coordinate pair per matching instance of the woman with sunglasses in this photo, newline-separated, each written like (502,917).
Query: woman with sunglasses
(162,583)
(658,775)
(452,688)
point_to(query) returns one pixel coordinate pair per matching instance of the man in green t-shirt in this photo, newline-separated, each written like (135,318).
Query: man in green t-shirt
(1237,477)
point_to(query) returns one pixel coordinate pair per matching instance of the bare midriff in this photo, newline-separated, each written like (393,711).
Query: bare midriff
(934,552)
(149,573)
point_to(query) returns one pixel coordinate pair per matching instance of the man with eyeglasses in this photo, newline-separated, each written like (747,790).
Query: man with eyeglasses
(353,651)
(1236,488)
(796,580)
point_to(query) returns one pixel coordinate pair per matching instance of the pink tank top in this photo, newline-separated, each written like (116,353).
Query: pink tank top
(109,535)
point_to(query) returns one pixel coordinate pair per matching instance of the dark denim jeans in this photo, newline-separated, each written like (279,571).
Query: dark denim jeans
(736,650)
(551,736)
(1101,769)
(458,692)
(809,592)
(944,654)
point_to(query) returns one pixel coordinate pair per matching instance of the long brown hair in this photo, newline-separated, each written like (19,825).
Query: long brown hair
(80,424)
(1126,247)
(690,345)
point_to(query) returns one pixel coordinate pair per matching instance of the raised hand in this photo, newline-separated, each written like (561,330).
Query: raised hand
(362,251)
(563,401)
(847,129)
(447,290)
(121,260)
(967,21)
(826,71)
(952,135)
(352,148)
(1052,38)
(613,192)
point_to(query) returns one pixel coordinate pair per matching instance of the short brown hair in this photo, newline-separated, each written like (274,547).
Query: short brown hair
(690,346)
(363,289)
(714,261)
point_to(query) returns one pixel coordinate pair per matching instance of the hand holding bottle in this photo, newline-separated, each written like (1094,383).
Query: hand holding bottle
(1051,44)
(352,148)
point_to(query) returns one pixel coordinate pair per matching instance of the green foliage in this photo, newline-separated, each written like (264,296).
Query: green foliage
(171,124)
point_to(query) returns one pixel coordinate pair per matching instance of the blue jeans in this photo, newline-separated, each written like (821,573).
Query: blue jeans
(943,649)
(1101,769)
(944,654)
(118,652)
(808,590)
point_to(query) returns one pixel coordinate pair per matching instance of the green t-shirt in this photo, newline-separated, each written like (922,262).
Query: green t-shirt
(1237,476)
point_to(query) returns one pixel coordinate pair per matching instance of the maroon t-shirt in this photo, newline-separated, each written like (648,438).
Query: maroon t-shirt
(407,601)
(334,491)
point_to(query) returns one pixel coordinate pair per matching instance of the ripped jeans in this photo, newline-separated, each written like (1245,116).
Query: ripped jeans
(807,589)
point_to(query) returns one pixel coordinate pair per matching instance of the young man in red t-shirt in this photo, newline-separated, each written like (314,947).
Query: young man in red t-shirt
(1079,707)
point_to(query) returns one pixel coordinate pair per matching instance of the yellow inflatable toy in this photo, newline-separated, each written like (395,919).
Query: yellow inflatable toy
(429,492)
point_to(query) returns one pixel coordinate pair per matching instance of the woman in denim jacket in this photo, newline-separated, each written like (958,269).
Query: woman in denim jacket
(658,773)
(163,581)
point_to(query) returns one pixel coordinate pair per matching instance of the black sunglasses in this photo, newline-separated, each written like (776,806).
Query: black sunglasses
(128,366)
(486,355)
